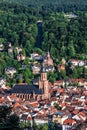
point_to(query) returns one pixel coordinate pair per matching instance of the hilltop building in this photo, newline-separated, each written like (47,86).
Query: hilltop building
(48,60)
(48,63)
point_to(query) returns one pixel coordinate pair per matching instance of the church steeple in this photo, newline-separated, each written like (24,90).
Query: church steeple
(48,60)
(43,74)
(43,84)
(48,54)
(43,78)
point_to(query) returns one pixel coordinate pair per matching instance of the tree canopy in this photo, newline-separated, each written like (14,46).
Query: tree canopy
(8,120)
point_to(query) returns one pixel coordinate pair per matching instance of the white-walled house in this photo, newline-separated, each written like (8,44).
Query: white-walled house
(2,82)
(10,71)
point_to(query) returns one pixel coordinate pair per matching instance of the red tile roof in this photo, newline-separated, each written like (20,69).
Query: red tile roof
(29,118)
(34,104)
(82,114)
(76,111)
(16,105)
(69,121)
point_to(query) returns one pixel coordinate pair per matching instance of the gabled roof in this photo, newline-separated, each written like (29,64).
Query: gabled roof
(69,121)
(26,89)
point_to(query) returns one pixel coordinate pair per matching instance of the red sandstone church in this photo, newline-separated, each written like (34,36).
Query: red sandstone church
(33,92)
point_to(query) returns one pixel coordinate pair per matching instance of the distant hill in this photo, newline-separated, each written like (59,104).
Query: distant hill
(60,5)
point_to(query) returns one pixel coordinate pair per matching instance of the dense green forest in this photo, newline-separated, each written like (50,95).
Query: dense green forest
(59,5)
(63,34)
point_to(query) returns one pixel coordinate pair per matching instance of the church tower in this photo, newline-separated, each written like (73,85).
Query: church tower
(48,60)
(48,54)
(43,84)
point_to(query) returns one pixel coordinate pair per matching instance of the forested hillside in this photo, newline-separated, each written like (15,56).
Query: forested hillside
(59,5)
(63,34)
